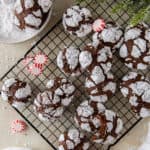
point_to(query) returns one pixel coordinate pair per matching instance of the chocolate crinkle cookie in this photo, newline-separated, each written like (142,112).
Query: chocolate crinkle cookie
(78,21)
(135,50)
(68,61)
(91,56)
(136,88)
(50,104)
(111,36)
(31,13)
(100,86)
(16,92)
(73,139)
(103,124)
(63,88)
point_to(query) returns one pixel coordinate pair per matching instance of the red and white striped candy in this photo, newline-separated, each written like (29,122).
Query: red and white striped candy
(40,59)
(99,25)
(27,60)
(18,126)
(35,69)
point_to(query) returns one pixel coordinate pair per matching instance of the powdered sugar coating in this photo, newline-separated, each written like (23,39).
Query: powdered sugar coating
(100,85)
(104,58)
(85,115)
(111,35)
(103,124)
(85,109)
(91,56)
(48,106)
(135,51)
(73,139)
(45,5)
(68,61)
(30,19)
(77,21)
(62,88)
(31,13)
(137,89)
(16,92)
(110,129)
(85,59)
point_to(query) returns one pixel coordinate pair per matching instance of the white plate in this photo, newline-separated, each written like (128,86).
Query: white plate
(23,39)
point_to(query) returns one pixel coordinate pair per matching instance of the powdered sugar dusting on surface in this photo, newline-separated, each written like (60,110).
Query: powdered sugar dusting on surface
(9,22)
(7,27)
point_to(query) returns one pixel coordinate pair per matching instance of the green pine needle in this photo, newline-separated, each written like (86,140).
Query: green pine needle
(138,10)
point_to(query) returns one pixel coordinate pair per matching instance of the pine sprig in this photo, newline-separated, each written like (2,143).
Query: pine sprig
(138,10)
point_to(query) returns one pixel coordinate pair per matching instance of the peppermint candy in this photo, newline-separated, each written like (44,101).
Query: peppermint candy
(35,69)
(18,126)
(34,64)
(27,60)
(99,25)
(40,59)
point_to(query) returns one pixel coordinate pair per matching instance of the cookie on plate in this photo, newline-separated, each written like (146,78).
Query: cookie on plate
(16,92)
(100,86)
(91,56)
(103,124)
(135,50)
(31,13)
(78,21)
(68,61)
(73,139)
(111,35)
(136,88)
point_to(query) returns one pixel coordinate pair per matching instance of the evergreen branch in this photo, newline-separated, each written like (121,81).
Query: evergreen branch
(138,10)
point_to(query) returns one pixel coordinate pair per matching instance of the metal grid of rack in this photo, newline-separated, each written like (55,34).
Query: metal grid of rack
(50,44)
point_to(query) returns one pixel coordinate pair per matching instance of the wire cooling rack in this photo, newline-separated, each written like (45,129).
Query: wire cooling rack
(50,44)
